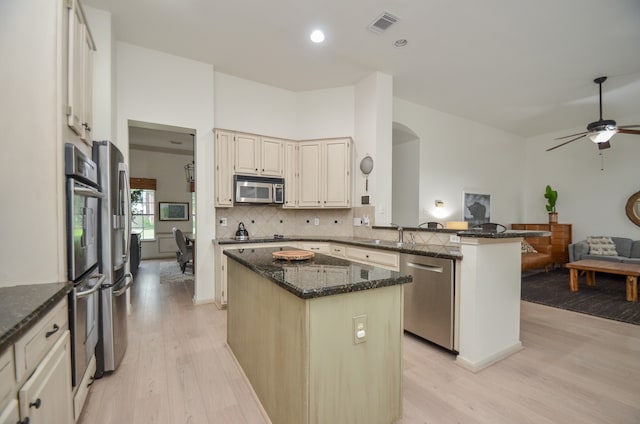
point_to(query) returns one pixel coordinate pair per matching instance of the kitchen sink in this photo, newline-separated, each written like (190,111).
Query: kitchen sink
(377,242)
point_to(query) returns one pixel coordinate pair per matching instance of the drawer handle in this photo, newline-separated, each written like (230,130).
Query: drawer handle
(37,403)
(51,333)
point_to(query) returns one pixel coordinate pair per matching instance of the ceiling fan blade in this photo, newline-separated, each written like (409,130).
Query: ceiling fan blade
(566,142)
(623,131)
(604,145)
(572,135)
(628,126)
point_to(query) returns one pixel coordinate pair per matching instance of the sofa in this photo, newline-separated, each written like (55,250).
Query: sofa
(538,257)
(626,250)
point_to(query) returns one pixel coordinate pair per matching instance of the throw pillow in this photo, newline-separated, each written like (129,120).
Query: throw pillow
(527,248)
(601,246)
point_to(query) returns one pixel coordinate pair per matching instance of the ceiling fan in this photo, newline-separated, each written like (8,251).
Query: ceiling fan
(600,131)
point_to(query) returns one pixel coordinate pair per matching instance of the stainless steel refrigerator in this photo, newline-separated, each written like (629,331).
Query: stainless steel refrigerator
(115,227)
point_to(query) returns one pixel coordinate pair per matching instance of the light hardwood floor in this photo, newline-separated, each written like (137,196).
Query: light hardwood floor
(574,368)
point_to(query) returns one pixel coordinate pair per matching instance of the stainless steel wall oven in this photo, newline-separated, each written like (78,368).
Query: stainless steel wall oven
(83,212)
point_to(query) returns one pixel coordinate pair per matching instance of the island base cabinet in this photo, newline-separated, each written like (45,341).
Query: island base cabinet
(46,396)
(300,355)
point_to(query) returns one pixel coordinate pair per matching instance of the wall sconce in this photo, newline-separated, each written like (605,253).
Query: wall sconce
(439,204)
(457,225)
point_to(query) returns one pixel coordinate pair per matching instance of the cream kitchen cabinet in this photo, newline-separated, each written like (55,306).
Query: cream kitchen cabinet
(291,174)
(79,73)
(10,413)
(325,173)
(220,271)
(35,373)
(257,155)
(46,396)
(223,151)
(377,257)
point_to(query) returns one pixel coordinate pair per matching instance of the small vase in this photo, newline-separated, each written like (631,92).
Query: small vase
(553,217)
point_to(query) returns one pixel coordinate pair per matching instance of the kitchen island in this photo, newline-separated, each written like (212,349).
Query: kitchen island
(319,340)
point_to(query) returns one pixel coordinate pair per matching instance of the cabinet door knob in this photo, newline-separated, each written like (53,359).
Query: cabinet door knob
(49,334)
(37,403)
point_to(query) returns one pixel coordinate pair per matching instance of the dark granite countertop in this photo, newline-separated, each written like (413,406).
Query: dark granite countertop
(321,276)
(22,306)
(505,234)
(433,250)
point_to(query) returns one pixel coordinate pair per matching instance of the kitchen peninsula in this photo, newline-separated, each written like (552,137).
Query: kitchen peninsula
(319,340)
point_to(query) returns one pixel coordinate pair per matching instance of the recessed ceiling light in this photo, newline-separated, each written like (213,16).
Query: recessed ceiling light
(317,36)
(401,42)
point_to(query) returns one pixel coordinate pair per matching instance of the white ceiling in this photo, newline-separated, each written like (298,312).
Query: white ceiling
(523,66)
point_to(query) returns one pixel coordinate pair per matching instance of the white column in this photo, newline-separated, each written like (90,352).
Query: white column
(489,299)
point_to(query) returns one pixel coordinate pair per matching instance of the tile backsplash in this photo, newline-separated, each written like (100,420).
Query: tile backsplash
(265,221)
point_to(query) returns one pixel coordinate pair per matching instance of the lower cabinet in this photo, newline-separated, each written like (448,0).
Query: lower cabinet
(35,373)
(9,415)
(46,396)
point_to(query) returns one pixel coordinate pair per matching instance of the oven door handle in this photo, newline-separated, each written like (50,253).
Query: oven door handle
(124,289)
(88,192)
(93,289)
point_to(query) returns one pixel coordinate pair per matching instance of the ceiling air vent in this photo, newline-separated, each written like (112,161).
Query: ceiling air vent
(382,22)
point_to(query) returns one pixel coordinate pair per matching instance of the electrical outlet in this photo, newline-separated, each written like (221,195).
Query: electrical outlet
(223,222)
(454,238)
(359,329)
(316,221)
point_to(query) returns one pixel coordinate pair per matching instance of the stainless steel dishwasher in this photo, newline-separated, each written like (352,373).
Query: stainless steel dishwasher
(429,300)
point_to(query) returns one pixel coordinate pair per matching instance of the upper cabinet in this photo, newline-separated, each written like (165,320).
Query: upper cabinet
(224,168)
(291,174)
(256,155)
(317,173)
(325,173)
(80,73)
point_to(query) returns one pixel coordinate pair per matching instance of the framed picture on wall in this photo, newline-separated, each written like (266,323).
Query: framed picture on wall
(476,208)
(174,211)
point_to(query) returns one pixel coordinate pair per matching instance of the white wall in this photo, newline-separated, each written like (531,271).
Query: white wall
(406,183)
(325,113)
(461,155)
(171,186)
(34,89)
(373,134)
(160,88)
(590,198)
(248,106)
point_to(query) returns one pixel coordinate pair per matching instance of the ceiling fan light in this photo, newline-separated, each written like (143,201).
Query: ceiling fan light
(602,136)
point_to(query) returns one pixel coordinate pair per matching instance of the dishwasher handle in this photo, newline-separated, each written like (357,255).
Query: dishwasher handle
(423,267)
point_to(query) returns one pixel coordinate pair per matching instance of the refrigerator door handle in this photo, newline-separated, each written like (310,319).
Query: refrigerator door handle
(126,286)
(122,169)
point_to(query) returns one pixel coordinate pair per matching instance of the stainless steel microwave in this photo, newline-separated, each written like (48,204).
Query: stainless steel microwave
(258,190)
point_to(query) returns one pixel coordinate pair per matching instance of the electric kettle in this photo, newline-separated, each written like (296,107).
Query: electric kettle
(242,233)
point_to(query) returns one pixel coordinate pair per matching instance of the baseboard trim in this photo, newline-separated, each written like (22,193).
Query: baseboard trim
(489,360)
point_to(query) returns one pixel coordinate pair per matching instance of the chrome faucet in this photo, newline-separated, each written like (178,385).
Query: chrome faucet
(400,232)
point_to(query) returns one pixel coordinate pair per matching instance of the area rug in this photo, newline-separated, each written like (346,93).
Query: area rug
(170,273)
(607,299)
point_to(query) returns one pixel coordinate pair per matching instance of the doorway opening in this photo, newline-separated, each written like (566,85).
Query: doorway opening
(405,176)
(161,157)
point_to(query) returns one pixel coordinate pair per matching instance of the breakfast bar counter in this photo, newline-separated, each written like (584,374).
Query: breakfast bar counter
(319,340)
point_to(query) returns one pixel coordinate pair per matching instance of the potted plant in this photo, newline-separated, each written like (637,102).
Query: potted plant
(552,197)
